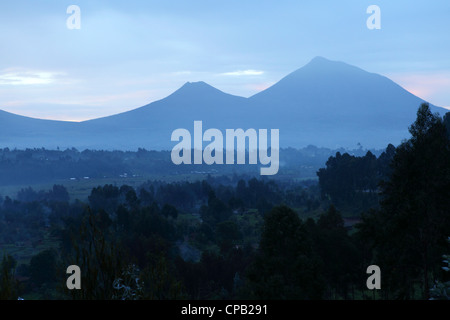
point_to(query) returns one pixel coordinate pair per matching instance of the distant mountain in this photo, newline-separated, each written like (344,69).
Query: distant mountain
(24,132)
(335,104)
(325,103)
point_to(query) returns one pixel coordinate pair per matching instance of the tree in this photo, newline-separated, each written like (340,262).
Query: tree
(43,267)
(59,193)
(106,198)
(169,211)
(228,233)
(100,260)
(285,266)
(123,217)
(353,181)
(413,219)
(441,290)
(160,282)
(217,211)
(8,285)
(334,246)
(447,123)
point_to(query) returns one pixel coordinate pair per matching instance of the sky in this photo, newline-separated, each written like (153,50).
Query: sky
(127,54)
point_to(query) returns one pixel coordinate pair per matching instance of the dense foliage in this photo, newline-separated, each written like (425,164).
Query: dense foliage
(237,237)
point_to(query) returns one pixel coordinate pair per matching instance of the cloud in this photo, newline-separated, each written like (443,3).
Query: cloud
(17,78)
(258,87)
(430,86)
(105,100)
(425,82)
(240,73)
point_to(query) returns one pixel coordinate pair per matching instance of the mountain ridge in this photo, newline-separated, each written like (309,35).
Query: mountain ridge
(326,103)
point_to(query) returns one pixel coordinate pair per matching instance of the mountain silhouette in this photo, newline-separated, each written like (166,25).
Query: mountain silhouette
(335,104)
(325,103)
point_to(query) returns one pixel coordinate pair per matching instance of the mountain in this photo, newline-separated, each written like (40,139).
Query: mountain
(24,132)
(335,104)
(151,126)
(325,103)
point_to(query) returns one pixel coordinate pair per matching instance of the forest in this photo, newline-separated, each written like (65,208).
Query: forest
(39,166)
(238,236)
